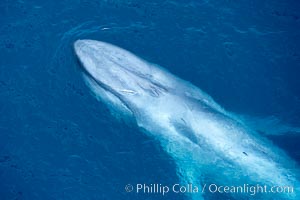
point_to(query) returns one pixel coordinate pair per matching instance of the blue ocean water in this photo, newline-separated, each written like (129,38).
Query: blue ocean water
(58,142)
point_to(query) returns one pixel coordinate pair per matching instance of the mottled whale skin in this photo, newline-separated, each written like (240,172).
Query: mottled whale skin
(208,143)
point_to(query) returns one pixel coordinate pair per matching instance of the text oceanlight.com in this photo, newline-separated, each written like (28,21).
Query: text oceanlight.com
(157,188)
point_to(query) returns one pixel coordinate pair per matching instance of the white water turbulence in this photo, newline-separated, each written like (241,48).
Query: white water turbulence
(207,143)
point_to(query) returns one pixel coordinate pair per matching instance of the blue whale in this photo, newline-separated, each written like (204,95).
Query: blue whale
(207,143)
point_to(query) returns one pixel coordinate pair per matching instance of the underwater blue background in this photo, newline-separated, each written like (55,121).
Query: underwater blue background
(58,142)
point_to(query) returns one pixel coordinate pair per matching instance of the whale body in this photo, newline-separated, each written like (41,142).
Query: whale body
(207,143)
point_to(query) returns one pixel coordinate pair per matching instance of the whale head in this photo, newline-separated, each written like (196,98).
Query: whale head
(118,73)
